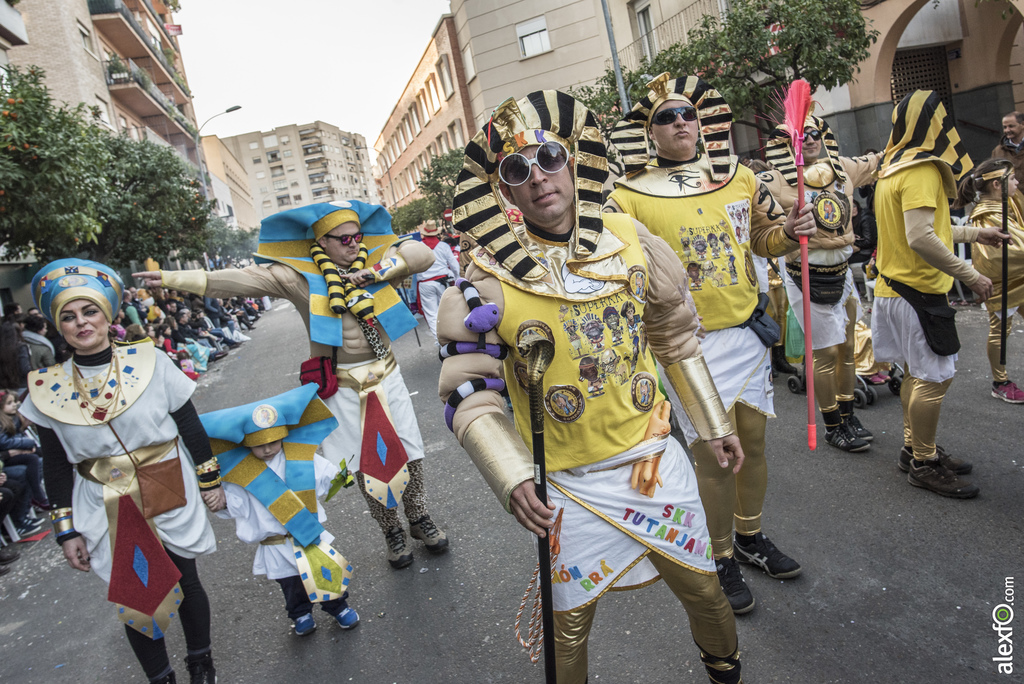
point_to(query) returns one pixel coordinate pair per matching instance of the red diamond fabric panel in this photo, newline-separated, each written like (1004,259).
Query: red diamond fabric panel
(382,454)
(142,574)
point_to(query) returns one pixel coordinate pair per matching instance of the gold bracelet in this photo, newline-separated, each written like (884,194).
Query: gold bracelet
(212,484)
(208,466)
(62,521)
(499,453)
(692,381)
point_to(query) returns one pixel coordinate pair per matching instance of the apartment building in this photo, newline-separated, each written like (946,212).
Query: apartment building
(12,30)
(231,183)
(303,164)
(431,117)
(116,55)
(536,45)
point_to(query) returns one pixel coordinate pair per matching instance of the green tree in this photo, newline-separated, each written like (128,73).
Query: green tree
(408,217)
(231,242)
(821,41)
(438,183)
(52,161)
(152,205)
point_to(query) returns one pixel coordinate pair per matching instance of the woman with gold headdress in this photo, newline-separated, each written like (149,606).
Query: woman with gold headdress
(119,436)
(829,183)
(984,186)
(912,323)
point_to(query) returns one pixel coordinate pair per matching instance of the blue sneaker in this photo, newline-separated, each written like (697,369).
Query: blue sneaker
(347,619)
(305,624)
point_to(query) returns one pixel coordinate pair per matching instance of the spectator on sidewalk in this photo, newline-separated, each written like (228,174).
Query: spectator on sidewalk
(1012,144)
(41,353)
(15,360)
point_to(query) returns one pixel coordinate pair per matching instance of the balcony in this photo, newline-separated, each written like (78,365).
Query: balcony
(12,26)
(674,30)
(316,178)
(133,87)
(115,20)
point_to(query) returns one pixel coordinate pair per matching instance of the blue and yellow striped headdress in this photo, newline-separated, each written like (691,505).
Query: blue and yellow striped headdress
(65,280)
(302,421)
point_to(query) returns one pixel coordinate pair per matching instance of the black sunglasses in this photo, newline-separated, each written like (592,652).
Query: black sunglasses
(668,116)
(346,240)
(812,134)
(515,169)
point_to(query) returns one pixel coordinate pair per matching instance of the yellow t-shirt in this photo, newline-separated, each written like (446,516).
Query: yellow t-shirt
(710,233)
(915,187)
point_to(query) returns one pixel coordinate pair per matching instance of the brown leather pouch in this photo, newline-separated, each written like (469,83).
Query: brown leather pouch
(161,486)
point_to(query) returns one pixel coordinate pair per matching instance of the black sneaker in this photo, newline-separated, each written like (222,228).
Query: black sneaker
(958,466)
(935,477)
(858,430)
(842,438)
(764,555)
(399,554)
(734,586)
(200,669)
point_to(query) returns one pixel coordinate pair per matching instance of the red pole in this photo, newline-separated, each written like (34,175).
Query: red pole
(805,286)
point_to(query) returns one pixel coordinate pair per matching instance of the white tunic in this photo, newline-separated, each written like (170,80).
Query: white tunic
(828,321)
(184,531)
(254,523)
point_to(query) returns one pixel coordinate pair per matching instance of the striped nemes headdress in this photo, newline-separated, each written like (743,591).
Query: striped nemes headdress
(714,117)
(923,132)
(779,150)
(542,116)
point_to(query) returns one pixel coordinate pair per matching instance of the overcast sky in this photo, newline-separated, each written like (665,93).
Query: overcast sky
(341,61)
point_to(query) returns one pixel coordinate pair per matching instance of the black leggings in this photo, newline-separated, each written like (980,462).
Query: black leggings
(195,622)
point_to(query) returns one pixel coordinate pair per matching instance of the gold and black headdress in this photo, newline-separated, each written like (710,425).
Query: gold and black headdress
(779,150)
(923,132)
(630,136)
(542,116)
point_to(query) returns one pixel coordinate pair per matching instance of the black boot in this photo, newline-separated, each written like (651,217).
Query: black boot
(779,363)
(168,678)
(200,669)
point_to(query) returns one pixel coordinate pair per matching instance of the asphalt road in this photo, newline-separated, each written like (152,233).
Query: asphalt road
(899,584)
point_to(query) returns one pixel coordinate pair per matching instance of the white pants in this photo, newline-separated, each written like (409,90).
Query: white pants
(430,298)
(898,337)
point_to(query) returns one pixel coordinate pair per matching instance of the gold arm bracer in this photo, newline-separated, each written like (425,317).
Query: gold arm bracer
(499,453)
(691,380)
(393,267)
(62,521)
(189,281)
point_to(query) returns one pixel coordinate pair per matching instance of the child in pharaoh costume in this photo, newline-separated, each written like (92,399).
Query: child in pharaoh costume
(602,290)
(272,482)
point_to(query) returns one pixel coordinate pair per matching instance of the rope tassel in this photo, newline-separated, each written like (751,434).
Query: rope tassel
(533,642)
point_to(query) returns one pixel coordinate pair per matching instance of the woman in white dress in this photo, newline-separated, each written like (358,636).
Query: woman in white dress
(128,467)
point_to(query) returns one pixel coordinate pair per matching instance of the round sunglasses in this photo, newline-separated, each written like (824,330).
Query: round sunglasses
(515,169)
(346,240)
(668,116)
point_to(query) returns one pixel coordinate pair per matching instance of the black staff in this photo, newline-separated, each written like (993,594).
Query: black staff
(539,356)
(1006,271)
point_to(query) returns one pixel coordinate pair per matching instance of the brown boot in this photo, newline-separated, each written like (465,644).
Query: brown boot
(399,553)
(427,532)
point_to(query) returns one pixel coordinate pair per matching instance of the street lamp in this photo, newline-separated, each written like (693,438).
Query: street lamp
(202,172)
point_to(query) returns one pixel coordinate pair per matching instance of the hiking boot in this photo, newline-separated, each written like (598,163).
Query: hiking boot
(347,619)
(856,429)
(764,555)
(305,624)
(958,466)
(200,669)
(427,532)
(399,554)
(734,586)
(1008,392)
(842,438)
(934,476)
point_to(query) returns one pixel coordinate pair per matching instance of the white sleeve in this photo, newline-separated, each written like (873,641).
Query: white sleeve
(29,411)
(324,471)
(450,262)
(178,387)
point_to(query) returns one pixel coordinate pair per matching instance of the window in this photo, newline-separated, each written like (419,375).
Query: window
(261,174)
(284,201)
(414,115)
(445,73)
(421,102)
(467,63)
(645,29)
(86,38)
(432,91)
(254,146)
(286,153)
(407,128)
(280,184)
(455,131)
(264,189)
(533,37)
(273,156)
(276,171)
(290,169)
(442,142)
(297,198)
(345,141)
(257,160)
(270,141)
(285,139)
(104,109)
(266,204)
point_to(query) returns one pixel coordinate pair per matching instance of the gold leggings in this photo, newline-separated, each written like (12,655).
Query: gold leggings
(712,624)
(728,497)
(994,335)
(835,367)
(922,403)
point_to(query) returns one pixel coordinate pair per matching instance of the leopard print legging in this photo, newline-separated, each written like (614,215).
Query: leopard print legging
(414,500)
